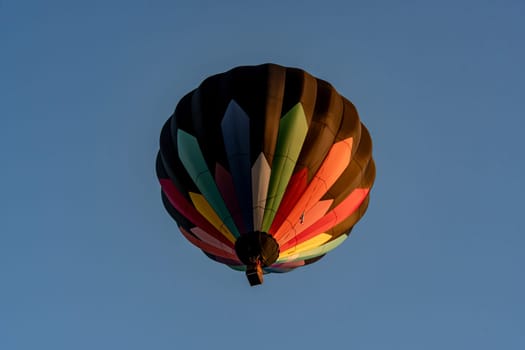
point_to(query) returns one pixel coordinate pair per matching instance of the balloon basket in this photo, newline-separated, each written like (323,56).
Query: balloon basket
(254,273)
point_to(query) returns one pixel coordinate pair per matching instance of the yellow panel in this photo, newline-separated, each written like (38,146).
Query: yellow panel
(314,242)
(207,211)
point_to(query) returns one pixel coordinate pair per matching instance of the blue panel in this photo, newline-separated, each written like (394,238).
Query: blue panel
(236,133)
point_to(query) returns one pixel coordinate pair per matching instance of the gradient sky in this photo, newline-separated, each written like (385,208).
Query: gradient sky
(89,259)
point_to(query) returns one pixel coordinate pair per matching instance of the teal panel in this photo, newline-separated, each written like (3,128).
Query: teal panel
(191,156)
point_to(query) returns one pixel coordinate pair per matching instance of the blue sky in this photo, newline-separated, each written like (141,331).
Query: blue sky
(89,258)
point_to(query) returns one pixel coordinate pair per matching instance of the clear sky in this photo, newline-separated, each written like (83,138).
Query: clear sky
(89,259)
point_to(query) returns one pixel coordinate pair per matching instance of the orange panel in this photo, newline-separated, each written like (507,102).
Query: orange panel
(333,166)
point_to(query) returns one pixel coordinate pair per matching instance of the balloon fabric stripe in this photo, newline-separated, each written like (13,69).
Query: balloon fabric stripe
(226,188)
(292,132)
(261,173)
(206,237)
(193,160)
(206,210)
(296,187)
(190,212)
(237,143)
(332,218)
(314,252)
(207,247)
(332,167)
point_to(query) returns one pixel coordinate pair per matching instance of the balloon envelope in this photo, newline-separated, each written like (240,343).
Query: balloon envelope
(265,168)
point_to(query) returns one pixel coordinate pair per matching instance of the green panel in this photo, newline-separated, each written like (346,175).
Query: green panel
(312,253)
(293,128)
(191,156)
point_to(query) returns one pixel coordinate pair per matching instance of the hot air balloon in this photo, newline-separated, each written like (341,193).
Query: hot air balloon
(265,168)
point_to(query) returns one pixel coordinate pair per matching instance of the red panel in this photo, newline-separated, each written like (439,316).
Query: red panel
(185,208)
(338,214)
(206,237)
(224,182)
(208,248)
(225,261)
(295,189)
